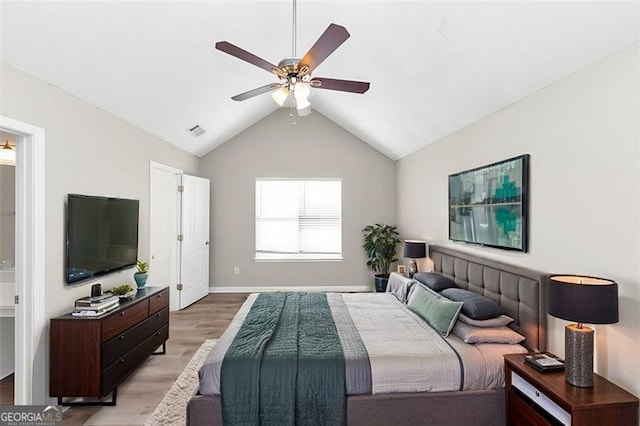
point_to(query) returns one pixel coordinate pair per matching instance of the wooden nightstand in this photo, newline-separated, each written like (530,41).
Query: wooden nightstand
(534,398)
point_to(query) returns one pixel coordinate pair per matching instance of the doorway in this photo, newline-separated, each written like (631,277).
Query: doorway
(179,234)
(7,264)
(30,325)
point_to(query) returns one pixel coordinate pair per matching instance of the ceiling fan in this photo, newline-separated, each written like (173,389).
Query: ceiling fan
(295,73)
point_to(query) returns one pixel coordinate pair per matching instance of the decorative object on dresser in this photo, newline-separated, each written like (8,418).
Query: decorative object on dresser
(142,273)
(582,299)
(90,357)
(537,398)
(380,241)
(414,249)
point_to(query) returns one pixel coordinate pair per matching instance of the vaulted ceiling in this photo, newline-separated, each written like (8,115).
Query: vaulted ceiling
(434,67)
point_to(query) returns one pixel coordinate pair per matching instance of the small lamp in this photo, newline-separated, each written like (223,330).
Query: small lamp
(582,299)
(413,250)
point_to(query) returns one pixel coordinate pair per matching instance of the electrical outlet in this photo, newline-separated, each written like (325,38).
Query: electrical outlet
(236,270)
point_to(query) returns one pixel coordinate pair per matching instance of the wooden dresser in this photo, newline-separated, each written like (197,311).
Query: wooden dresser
(90,357)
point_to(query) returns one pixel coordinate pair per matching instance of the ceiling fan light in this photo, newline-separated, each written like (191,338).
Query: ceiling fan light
(7,155)
(303,112)
(301,91)
(280,96)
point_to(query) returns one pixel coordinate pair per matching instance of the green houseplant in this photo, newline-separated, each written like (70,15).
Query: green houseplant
(142,274)
(380,241)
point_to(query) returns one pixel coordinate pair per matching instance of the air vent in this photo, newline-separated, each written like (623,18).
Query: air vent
(196,130)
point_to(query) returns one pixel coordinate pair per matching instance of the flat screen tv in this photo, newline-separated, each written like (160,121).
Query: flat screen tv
(488,205)
(102,236)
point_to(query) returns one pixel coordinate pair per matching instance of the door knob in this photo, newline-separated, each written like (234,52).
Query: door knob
(206,242)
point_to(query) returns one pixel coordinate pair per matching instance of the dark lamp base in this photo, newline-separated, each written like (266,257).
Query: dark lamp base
(578,346)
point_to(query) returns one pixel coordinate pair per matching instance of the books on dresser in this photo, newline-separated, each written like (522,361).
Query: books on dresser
(94,306)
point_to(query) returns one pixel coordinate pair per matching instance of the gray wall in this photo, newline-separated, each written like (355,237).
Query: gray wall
(582,134)
(87,151)
(313,148)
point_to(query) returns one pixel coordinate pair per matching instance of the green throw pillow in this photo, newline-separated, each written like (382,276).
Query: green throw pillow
(439,312)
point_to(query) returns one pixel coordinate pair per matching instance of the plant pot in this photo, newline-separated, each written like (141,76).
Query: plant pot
(141,278)
(381,281)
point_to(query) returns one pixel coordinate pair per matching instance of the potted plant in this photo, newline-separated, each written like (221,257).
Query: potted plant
(380,242)
(142,273)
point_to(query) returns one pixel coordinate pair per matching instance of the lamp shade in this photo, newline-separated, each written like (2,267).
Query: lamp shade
(413,249)
(582,299)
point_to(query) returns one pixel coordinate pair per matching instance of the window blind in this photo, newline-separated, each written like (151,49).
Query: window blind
(298,218)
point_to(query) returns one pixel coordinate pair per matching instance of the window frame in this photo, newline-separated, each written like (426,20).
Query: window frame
(296,257)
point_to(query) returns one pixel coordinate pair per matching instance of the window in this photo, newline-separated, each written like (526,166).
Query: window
(298,219)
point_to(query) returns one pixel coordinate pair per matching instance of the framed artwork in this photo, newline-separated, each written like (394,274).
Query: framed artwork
(488,205)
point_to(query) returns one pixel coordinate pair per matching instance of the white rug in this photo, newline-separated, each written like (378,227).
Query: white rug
(172,411)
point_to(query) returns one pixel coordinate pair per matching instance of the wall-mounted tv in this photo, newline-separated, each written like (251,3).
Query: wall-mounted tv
(488,205)
(102,236)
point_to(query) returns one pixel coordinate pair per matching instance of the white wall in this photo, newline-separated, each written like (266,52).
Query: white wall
(87,151)
(315,147)
(582,134)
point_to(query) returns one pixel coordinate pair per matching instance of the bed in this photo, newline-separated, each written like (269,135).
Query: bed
(520,293)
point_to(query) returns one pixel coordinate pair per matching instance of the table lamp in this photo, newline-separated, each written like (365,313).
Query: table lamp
(413,250)
(582,299)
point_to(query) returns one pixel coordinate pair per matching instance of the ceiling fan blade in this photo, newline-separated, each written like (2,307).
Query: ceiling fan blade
(328,42)
(341,85)
(255,92)
(239,53)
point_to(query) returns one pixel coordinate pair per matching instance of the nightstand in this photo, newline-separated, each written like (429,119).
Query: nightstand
(535,398)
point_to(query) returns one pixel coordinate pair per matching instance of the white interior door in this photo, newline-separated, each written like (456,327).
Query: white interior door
(164,227)
(194,253)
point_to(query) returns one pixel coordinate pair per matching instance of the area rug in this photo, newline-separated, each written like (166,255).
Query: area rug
(172,411)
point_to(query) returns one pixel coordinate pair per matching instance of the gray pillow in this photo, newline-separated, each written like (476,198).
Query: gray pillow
(434,281)
(475,305)
(439,312)
(498,321)
(471,334)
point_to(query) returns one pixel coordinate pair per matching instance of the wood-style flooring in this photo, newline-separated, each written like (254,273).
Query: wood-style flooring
(6,390)
(141,392)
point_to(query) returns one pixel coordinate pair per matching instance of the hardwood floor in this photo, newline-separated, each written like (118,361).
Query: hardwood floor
(141,392)
(6,390)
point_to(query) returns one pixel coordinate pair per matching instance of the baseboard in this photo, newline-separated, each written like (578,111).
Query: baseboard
(267,289)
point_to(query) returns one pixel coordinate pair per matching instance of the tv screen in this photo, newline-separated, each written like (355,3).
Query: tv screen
(102,235)
(488,205)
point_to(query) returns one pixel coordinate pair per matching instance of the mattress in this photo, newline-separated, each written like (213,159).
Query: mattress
(387,349)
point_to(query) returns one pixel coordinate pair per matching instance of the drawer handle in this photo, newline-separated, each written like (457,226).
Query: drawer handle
(159,295)
(157,315)
(122,337)
(158,333)
(121,314)
(122,361)
(537,393)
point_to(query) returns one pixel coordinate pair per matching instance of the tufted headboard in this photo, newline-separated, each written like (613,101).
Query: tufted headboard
(519,291)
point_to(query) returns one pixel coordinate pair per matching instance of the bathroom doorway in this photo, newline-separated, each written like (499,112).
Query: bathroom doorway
(29,271)
(7,266)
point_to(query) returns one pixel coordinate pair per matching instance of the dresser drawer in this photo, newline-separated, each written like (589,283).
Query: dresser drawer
(159,301)
(119,370)
(124,319)
(125,341)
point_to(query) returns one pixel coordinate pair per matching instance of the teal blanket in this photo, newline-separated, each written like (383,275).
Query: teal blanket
(285,365)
